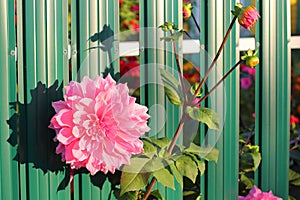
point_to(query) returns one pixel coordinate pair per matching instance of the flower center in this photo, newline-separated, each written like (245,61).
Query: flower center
(95,128)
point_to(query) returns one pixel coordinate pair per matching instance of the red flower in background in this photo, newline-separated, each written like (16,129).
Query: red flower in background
(190,73)
(294,120)
(130,67)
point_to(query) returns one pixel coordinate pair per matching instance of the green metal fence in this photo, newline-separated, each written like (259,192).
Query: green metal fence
(34,48)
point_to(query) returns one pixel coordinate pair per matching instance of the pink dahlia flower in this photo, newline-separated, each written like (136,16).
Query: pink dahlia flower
(256,194)
(248,17)
(98,125)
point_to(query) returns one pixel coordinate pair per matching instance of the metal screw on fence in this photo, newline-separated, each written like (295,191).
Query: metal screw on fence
(257,44)
(12,52)
(142,49)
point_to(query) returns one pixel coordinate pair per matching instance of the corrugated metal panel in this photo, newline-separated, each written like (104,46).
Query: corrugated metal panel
(88,18)
(273,99)
(230,135)
(221,181)
(156,54)
(8,168)
(42,36)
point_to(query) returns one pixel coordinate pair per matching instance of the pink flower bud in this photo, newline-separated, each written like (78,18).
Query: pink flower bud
(248,16)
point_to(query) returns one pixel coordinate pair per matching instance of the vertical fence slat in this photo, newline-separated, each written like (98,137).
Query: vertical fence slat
(203,63)
(283,56)
(30,83)
(88,18)
(41,58)
(57,70)
(9,167)
(173,14)
(41,68)
(274,94)
(214,36)
(222,178)
(21,88)
(156,53)
(230,135)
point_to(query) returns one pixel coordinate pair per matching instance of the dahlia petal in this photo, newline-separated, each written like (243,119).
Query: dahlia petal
(69,152)
(90,166)
(65,118)
(76,132)
(78,153)
(65,136)
(88,87)
(59,105)
(74,89)
(54,124)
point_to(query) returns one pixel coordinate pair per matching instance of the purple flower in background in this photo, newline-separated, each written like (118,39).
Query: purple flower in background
(246,82)
(256,194)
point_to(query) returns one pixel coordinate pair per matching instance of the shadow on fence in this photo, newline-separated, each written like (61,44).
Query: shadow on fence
(34,140)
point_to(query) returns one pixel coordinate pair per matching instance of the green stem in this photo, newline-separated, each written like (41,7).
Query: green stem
(169,152)
(215,58)
(220,81)
(179,68)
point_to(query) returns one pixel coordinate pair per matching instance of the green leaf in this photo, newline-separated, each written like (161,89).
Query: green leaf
(291,198)
(134,177)
(157,195)
(191,195)
(208,153)
(249,183)
(148,146)
(161,142)
(187,167)
(171,85)
(133,195)
(177,34)
(133,181)
(294,178)
(204,115)
(194,88)
(176,174)
(200,164)
(250,158)
(165,177)
(155,164)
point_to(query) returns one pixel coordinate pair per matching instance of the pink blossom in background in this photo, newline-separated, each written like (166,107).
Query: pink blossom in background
(249,70)
(246,82)
(98,125)
(256,194)
(135,8)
